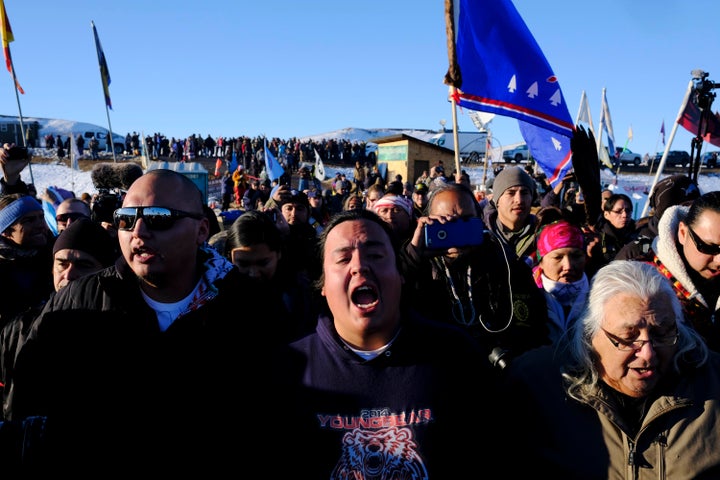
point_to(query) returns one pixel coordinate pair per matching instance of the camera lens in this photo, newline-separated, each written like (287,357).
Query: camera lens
(442,234)
(498,358)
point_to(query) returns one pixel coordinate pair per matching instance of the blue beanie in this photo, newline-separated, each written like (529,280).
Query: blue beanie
(17,209)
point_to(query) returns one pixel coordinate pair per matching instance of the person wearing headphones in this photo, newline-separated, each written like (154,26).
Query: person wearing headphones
(473,280)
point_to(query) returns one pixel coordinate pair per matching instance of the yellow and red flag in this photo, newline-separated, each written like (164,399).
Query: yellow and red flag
(7,37)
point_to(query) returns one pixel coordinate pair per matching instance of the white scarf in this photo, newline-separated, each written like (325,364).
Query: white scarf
(565,293)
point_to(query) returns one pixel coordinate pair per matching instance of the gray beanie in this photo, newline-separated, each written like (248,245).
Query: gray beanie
(511,177)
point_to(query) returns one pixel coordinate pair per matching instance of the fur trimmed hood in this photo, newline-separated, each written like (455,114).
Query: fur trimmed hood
(665,246)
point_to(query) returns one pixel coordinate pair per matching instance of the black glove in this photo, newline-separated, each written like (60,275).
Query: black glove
(586,165)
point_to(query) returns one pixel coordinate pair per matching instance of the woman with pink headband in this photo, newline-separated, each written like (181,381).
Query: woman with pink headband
(560,272)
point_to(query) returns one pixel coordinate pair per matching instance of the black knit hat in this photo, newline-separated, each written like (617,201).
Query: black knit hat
(298,198)
(88,236)
(673,190)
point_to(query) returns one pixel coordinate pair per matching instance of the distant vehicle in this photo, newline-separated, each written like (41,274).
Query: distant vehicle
(627,157)
(38,128)
(677,158)
(710,159)
(519,154)
(101,136)
(472,144)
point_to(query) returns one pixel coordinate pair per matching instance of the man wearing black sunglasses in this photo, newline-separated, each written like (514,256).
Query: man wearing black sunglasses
(138,365)
(69,210)
(687,251)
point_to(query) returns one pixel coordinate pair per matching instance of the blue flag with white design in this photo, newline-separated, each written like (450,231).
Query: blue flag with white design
(272,166)
(497,66)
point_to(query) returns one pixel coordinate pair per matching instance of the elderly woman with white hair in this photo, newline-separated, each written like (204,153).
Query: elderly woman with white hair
(634,392)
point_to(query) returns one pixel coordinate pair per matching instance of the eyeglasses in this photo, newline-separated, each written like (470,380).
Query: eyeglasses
(635,345)
(155,218)
(703,247)
(620,211)
(64,217)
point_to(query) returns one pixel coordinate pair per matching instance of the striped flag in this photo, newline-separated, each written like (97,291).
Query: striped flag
(104,72)
(7,37)
(607,123)
(497,66)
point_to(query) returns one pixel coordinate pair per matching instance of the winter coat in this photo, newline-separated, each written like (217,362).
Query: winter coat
(559,437)
(524,243)
(669,261)
(642,243)
(120,394)
(612,239)
(27,278)
(508,309)
(560,322)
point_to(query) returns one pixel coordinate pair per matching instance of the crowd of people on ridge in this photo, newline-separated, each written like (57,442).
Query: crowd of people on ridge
(248,151)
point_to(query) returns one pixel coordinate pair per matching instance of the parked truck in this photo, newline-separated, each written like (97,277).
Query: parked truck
(37,128)
(626,157)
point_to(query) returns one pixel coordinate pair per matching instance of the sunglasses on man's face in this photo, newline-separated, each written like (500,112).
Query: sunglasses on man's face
(64,217)
(702,247)
(154,218)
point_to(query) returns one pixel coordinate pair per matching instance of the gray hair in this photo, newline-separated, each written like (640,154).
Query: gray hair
(629,277)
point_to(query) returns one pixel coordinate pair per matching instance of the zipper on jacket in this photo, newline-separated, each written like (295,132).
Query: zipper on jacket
(661,441)
(631,453)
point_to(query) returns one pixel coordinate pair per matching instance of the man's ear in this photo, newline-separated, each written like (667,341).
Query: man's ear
(203,231)
(682,233)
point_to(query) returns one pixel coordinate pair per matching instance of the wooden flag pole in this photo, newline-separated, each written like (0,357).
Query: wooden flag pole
(455,131)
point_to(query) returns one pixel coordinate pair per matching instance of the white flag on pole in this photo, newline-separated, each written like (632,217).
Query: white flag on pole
(74,153)
(146,154)
(319,167)
(584,112)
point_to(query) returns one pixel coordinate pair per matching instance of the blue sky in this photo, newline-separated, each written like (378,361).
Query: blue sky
(301,68)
